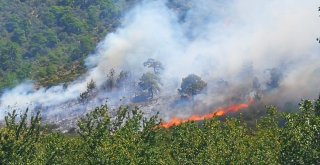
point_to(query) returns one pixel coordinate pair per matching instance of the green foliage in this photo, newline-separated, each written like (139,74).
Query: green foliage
(127,137)
(301,136)
(191,86)
(19,36)
(72,24)
(12,69)
(66,30)
(151,83)
(19,139)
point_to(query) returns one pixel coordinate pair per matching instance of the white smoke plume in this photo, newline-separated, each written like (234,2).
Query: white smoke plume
(228,42)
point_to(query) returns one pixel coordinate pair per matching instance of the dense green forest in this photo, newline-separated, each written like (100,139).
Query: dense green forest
(47,40)
(129,138)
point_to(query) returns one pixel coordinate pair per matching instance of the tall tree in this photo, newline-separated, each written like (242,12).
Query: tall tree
(151,83)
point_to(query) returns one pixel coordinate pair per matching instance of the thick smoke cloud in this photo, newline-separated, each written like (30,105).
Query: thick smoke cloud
(240,48)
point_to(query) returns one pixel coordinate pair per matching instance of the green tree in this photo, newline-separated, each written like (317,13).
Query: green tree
(48,18)
(12,23)
(93,16)
(300,136)
(10,56)
(72,24)
(38,45)
(94,128)
(19,139)
(114,141)
(86,45)
(151,83)
(51,69)
(66,2)
(51,38)
(191,86)
(19,36)
(266,142)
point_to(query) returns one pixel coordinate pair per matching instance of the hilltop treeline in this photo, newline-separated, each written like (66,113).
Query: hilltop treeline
(129,138)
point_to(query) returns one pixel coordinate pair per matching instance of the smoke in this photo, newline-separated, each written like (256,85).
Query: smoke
(241,48)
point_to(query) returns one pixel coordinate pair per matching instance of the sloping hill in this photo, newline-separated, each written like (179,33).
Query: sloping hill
(42,39)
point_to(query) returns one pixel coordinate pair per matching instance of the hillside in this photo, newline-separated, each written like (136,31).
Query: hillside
(159,82)
(47,41)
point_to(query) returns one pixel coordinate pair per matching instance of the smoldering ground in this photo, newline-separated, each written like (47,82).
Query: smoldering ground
(240,48)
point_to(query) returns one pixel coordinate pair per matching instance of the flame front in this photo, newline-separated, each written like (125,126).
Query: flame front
(218,112)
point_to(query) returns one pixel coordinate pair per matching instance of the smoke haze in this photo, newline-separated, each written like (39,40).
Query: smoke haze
(230,44)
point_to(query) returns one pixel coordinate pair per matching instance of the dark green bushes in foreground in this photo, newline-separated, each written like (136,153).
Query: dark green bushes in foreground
(277,138)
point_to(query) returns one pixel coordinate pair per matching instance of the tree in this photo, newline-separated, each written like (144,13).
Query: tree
(12,23)
(10,56)
(156,65)
(93,16)
(66,2)
(150,82)
(38,44)
(19,36)
(66,28)
(84,96)
(19,139)
(52,38)
(86,45)
(124,136)
(301,136)
(111,80)
(122,80)
(72,24)
(48,18)
(116,140)
(191,86)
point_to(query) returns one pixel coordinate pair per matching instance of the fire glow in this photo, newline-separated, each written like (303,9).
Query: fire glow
(218,112)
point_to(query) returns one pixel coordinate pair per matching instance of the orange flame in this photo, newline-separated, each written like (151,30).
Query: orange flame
(218,112)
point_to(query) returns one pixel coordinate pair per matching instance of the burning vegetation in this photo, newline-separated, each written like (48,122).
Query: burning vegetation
(128,137)
(216,113)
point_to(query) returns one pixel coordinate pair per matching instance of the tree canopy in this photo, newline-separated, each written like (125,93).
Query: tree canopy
(129,138)
(156,65)
(47,41)
(151,83)
(191,86)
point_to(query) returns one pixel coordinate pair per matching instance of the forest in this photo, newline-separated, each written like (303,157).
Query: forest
(164,116)
(129,138)
(47,41)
